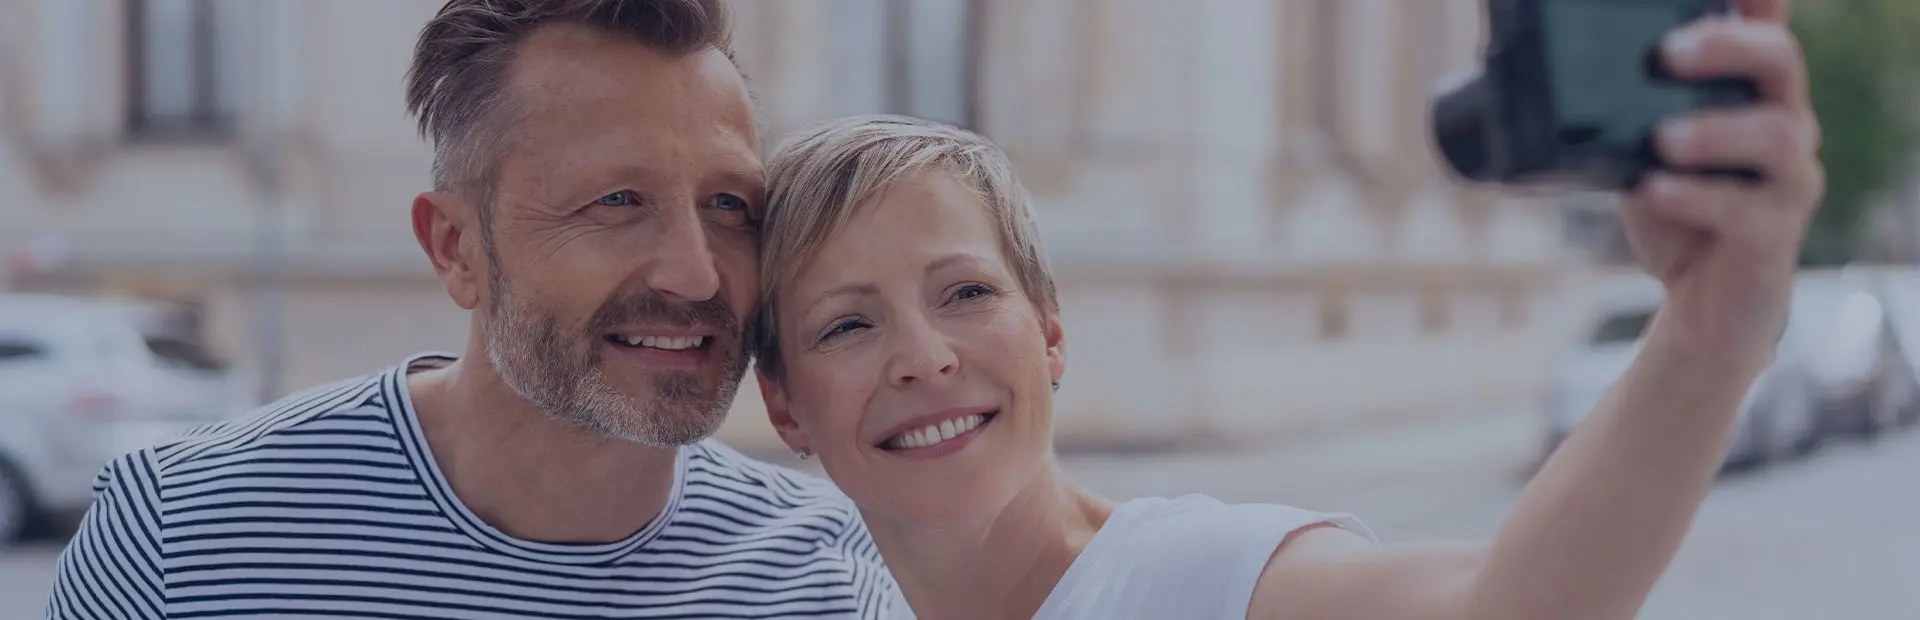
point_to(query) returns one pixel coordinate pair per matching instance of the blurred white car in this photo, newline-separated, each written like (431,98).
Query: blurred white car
(80,384)
(1864,383)
(1777,419)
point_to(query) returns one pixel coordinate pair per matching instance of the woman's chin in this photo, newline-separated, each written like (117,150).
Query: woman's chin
(937,509)
(955,492)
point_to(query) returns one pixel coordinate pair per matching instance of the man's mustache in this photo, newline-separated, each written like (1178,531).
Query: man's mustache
(651,308)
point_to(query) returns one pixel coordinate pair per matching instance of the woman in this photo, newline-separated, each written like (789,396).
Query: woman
(911,337)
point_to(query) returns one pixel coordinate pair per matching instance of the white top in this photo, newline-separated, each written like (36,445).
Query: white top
(1191,557)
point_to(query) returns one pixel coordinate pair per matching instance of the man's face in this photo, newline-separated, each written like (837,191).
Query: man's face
(620,247)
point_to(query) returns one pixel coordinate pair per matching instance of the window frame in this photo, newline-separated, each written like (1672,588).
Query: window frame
(208,118)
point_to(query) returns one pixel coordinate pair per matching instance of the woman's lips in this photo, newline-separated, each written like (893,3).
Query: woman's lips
(936,433)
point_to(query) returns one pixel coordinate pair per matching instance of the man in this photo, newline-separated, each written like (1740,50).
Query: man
(596,186)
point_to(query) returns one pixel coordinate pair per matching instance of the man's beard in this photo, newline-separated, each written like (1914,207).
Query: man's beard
(532,356)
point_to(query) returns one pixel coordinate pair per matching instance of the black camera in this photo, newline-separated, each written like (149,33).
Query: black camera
(1570,92)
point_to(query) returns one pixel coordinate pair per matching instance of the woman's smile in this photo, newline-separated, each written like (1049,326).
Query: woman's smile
(938,435)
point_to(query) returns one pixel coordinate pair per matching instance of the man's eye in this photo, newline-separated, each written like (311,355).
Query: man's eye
(729,202)
(622,198)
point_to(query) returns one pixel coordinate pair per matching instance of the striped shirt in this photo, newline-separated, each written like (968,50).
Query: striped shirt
(328,504)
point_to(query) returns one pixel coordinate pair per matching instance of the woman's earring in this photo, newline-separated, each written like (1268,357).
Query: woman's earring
(802,455)
(1056,386)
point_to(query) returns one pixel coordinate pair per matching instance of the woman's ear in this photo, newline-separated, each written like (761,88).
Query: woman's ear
(780,413)
(1056,348)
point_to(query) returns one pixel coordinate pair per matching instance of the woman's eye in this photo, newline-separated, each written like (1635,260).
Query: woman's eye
(843,327)
(622,198)
(971,291)
(729,202)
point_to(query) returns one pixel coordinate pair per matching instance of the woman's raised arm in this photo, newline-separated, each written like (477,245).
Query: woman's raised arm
(1598,525)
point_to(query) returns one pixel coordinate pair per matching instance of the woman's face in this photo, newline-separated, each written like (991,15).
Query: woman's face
(916,368)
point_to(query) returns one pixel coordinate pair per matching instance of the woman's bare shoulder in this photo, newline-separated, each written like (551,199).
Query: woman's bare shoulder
(1326,571)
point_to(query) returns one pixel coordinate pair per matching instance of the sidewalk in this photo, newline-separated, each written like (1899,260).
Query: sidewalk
(1447,475)
(1499,442)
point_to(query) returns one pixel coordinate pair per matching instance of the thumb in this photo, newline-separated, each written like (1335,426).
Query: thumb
(1776,11)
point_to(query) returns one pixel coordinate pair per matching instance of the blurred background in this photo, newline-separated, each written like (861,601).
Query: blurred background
(1272,291)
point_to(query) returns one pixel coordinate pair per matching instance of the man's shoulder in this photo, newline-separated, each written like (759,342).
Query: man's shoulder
(774,506)
(766,498)
(715,464)
(355,400)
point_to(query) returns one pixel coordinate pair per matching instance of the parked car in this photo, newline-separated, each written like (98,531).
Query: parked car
(1864,382)
(80,384)
(1898,289)
(1777,418)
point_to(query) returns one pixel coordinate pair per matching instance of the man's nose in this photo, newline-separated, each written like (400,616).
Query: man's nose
(924,355)
(681,264)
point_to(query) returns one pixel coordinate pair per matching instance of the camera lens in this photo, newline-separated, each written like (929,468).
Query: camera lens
(1460,129)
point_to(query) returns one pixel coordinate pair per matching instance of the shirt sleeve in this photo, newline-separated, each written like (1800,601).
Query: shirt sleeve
(111,568)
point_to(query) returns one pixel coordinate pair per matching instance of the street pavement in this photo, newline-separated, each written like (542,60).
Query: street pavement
(1832,536)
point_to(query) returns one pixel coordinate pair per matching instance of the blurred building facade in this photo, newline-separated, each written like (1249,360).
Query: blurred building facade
(1249,229)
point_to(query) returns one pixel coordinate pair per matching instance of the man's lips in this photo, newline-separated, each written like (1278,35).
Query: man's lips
(662,338)
(673,349)
(664,343)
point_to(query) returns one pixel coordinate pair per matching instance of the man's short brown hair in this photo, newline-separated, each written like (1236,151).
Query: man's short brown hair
(457,86)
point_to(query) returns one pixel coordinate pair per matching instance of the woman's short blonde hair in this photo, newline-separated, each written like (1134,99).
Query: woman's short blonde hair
(823,173)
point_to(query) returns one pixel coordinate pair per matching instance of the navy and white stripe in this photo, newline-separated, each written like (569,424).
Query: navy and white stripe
(328,504)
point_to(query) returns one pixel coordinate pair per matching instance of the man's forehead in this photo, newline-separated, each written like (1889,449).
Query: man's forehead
(601,96)
(579,69)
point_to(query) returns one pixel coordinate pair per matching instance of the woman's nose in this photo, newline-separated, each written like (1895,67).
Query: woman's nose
(924,355)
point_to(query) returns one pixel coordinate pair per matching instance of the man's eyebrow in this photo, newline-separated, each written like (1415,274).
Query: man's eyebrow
(745,177)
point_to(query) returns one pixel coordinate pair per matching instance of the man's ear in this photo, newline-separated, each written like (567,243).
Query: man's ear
(780,413)
(441,229)
(1056,348)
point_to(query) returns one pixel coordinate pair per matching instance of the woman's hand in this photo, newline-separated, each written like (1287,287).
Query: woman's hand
(1727,250)
(1600,522)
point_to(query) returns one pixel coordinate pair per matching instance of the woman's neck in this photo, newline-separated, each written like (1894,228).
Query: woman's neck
(1004,566)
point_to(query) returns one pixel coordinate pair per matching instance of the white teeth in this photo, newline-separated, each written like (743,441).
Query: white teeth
(934,434)
(666,343)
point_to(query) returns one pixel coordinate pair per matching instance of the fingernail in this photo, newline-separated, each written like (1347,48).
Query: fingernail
(1683,44)
(1676,136)
(1660,186)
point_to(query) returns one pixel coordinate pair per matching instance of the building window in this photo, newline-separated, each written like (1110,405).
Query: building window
(932,59)
(1513,306)
(1427,43)
(1436,315)
(1310,87)
(1336,315)
(183,68)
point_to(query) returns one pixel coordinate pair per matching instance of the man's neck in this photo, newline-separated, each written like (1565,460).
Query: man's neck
(1004,567)
(531,476)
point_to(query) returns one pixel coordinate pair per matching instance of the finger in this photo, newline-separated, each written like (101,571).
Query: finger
(1754,219)
(1765,10)
(1769,138)
(1688,201)
(1766,53)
